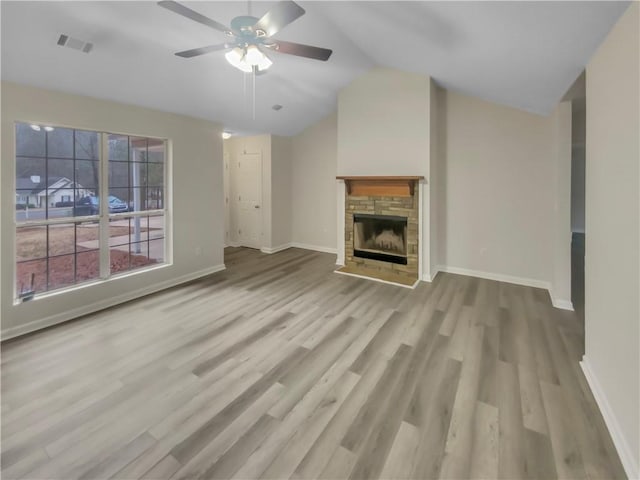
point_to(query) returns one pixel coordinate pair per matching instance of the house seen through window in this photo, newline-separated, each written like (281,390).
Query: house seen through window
(74,224)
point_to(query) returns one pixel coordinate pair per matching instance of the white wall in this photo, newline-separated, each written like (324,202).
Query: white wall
(281,184)
(314,164)
(612,261)
(196,199)
(384,130)
(498,184)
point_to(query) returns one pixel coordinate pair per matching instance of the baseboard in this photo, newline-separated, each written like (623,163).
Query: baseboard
(317,248)
(109,302)
(499,277)
(429,277)
(560,303)
(277,249)
(629,463)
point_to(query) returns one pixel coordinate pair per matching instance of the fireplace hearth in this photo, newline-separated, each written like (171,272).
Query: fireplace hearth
(380,237)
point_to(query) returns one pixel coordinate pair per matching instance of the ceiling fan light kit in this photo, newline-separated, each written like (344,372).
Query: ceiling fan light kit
(246,58)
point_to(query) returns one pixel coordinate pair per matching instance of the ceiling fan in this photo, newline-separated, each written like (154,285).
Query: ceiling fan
(251,36)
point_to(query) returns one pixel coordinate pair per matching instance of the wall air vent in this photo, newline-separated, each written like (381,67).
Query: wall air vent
(74,43)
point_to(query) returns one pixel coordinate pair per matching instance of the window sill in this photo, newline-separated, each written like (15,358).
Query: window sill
(92,283)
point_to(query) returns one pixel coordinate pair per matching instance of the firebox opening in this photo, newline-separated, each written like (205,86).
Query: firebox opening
(380,237)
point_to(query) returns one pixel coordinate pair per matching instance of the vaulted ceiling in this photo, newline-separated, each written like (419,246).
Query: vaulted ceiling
(522,54)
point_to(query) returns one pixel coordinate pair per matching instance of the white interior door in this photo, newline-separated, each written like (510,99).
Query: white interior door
(248,199)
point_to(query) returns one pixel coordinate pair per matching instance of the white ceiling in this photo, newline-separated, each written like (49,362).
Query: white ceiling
(522,54)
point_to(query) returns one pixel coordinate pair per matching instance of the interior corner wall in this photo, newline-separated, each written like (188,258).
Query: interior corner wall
(314,164)
(497,205)
(561,279)
(578,162)
(437,159)
(439,179)
(281,184)
(195,182)
(612,260)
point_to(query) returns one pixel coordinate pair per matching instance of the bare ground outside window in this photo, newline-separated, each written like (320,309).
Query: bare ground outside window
(67,267)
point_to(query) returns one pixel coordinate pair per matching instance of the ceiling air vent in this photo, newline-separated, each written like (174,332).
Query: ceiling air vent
(70,42)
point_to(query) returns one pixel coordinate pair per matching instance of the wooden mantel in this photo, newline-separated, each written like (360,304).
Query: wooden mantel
(380,186)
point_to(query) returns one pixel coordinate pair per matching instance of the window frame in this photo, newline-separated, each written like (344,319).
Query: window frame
(103,217)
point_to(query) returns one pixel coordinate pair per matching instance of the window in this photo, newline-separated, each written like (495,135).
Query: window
(88,205)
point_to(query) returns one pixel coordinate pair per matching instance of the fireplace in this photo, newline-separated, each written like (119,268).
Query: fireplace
(381,228)
(380,237)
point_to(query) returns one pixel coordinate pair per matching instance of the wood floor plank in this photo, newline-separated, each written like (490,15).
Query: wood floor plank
(165,468)
(362,423)
(407,440)
(566,453)
(488,387)
(316,459)
(290,456)
(233,459)
(119,458)
(533,415)
(539,456)
(427,459)
(374,451)
(511,457)
(416,412)
(485,443)
(340,465)
(460,433)
(196,465)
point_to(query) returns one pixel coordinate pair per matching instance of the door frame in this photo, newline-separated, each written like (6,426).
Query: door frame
(234,205)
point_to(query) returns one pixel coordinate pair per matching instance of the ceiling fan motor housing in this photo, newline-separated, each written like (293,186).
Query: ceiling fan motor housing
(244,24)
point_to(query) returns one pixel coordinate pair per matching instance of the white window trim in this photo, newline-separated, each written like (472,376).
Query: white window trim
(103,217)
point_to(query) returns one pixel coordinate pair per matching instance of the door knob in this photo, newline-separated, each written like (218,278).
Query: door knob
(256,206)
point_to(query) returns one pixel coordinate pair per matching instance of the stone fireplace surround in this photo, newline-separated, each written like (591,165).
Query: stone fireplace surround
(388,196)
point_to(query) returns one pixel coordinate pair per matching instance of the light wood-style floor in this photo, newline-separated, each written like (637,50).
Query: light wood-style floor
(279,368)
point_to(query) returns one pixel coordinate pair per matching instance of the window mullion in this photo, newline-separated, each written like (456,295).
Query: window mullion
(104,205)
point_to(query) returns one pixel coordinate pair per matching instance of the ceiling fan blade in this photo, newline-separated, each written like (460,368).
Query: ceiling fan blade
(202,50)
(301,50)
(279,17)
(195,16)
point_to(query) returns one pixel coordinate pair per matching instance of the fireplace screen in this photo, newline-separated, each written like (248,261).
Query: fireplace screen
(380,237)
